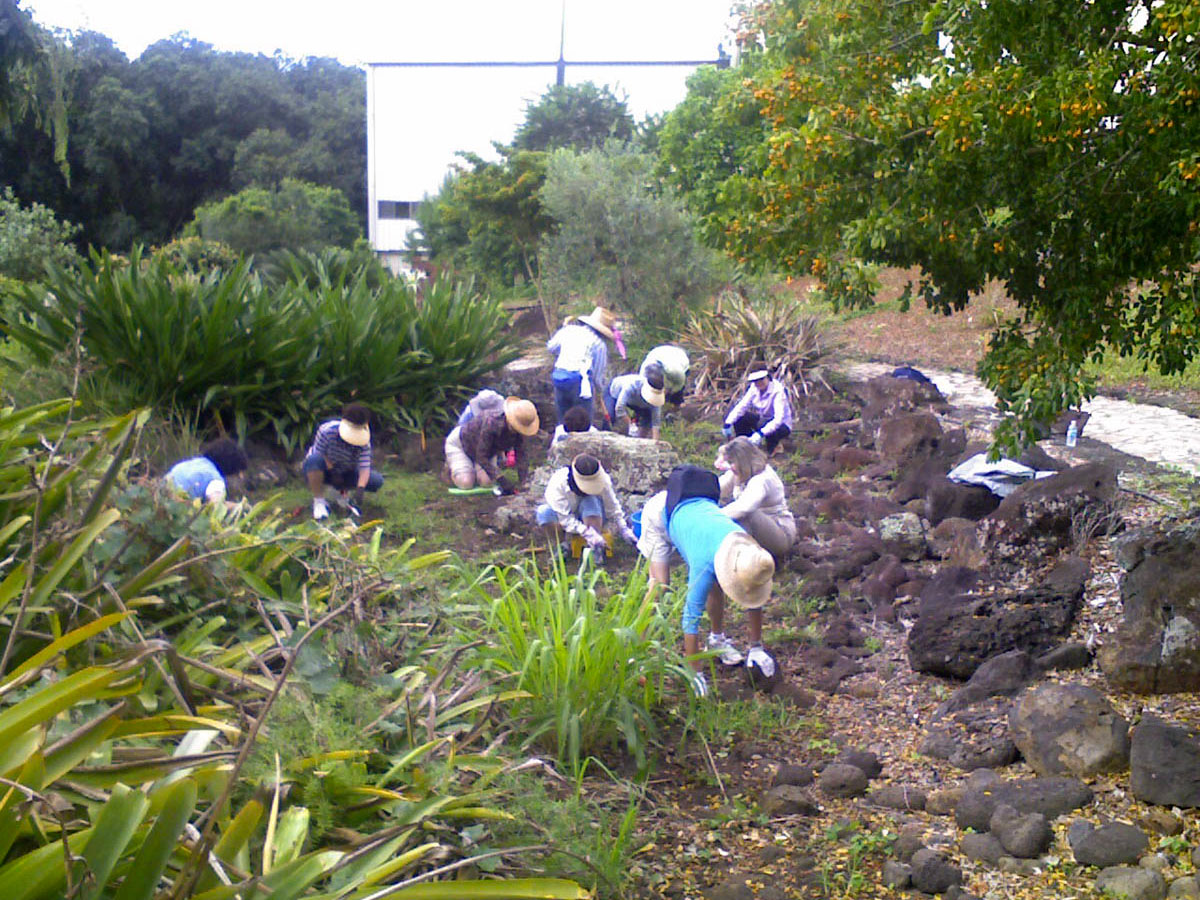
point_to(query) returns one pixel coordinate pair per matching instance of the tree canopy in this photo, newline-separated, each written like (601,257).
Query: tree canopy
(1049,146)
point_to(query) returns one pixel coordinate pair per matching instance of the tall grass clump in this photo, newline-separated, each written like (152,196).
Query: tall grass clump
(596,664)
(222,344)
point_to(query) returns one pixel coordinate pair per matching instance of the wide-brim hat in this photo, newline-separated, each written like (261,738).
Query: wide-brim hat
(522,416)
(744,570)
(354,435)
(755,374)
(652,395)
(593,484)
(602,320)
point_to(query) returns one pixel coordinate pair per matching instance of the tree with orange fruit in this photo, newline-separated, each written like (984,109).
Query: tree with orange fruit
(1053,147)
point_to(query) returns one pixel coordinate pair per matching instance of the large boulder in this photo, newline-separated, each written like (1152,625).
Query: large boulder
(1114,844)
(1002,675)
(903,535)
(954,635)
(946,499)
(905,440)
(1164,763)
(1035,520)
(637,466)
(1156,648)
(1049,796)
(972,738)
(1069,729)
(885,396)
(1131,883)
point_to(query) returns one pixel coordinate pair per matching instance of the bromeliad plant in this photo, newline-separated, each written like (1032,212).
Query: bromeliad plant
(741,333)
(124,742)
(596,659)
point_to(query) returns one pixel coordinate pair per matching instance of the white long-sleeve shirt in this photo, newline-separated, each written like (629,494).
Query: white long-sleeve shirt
(577,348)
(763,492)
(565,502)
(771,405)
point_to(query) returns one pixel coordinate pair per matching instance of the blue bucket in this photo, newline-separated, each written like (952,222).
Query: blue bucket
(636,520)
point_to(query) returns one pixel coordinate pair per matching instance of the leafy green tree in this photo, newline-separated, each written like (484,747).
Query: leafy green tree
(582,116)
(30,237)
(31,79)
(295,216)
(1050,147)
(621,235)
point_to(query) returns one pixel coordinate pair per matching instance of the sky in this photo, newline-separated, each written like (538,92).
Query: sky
(422,116)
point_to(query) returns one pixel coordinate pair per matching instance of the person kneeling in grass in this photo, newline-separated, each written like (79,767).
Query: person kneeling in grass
(579,500)
(723,561)
(340,457)
(207,476)
(471,449)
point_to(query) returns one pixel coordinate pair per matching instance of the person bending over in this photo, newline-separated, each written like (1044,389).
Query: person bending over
(764,414)
(208,477)
(755,497)
(340,457)
(576,420)
(722,561)
(580,351)
(471,449)
(636,400)
(674,364)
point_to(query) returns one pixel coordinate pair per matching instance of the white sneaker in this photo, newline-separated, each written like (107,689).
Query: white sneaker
(760,659)
(728,654)
(320,508)
(699,684)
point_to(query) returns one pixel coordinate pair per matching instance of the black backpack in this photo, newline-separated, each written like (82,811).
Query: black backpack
(688,482)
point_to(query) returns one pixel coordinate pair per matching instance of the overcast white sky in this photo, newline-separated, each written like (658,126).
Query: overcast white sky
(424,115)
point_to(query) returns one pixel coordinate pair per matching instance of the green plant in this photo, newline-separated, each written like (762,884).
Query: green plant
(30,237)
(846,876)
(741,333)
(595,667)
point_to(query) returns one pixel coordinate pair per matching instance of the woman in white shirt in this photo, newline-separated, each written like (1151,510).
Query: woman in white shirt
(757,500)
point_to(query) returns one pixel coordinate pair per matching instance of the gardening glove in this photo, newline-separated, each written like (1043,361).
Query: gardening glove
(510,458)
(699,684)
(502,489)
(595,540)
(727,431)
(628,536)
(619,341)
(756,438)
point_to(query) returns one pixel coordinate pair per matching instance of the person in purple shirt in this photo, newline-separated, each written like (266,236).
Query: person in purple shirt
(764,414)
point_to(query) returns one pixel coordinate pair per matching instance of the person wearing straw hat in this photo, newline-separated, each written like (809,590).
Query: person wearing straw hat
(340,457)
(723,561)
(471,449)
(764,414)
(579,500)
(638,400)
(580,349)
(674,363)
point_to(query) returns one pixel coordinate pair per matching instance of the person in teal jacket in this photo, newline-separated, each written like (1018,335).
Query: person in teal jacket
(207,476)
(723,561)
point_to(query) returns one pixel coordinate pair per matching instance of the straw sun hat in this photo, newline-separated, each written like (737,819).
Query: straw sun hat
(354,435)
(744,570)
(592,483)
(521,416)
(602,320)
(652,395)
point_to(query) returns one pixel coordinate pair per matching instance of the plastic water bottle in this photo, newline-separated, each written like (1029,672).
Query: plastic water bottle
(1072,434)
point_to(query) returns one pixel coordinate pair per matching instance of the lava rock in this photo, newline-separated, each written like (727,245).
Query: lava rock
(943,802)
(789,800)
(898,796)
(1132,883)
(1002,675)
(896,874)
(1024,836)
(1069,729)
(909,841)
(1049,796)
(1114,844)
(1071,655)
(1186,888)
(1164,763)
(842,780)
(932,873)
(863,759)
(788,773)
(984,847)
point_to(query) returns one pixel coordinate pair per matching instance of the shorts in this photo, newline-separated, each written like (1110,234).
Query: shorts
(654,544)
(588,507)
(456,458)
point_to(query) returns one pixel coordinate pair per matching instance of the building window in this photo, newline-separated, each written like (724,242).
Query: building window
(398,209)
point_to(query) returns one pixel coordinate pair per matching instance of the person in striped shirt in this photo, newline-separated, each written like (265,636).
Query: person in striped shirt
(340,457)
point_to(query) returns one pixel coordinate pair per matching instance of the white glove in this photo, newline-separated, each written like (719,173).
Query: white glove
(633,430)
(594,539)
(760,659)
(627,535)
(756,438)
(699,684)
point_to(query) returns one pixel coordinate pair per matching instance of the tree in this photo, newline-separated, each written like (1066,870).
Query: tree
(582,116)
(31,237)
(620,235)
(295,216)
(31,78)
(1049,146)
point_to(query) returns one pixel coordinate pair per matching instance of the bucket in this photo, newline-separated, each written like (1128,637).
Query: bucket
(636,521)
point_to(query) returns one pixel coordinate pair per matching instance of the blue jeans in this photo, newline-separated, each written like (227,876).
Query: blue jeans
(566,392)
(588,507)
(342,481)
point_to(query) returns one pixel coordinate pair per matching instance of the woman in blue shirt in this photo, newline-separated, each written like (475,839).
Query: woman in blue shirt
(206,477)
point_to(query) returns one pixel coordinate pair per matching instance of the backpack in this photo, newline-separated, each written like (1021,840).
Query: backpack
(687,482)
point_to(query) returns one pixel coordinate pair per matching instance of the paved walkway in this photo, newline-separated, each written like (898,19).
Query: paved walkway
(1154,433)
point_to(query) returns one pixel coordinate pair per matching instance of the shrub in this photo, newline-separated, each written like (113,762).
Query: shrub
(595,667)
(222,344)
(740,333)
(30,237)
